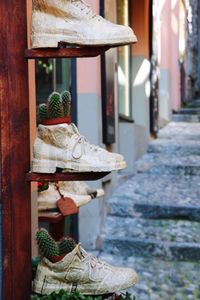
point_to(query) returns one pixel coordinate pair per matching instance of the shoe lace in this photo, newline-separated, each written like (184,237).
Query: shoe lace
(81,140)
(84,7)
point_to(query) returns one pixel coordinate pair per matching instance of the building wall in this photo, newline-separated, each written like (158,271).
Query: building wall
(136,134)
(168,59)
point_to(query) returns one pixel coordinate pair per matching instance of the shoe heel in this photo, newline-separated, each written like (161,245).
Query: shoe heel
(45,40)
(41,166)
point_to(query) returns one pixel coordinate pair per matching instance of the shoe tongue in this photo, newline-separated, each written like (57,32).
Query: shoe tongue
(80,251)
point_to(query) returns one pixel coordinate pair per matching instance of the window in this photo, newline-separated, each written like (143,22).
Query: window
(52,75)
(56,75)
(124,65)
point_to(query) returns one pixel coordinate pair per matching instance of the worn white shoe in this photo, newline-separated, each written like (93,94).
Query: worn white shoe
(80,188)
(82,272)
(73,22)
(61,146)
(78,191)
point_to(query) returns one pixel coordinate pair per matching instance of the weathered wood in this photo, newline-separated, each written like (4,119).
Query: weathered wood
(70,176)
(50,217)
(65,52)
(14,150)
(56,223)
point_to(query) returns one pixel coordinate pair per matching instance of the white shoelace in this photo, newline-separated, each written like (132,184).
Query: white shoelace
(84,142)
(84,7)
(81,140)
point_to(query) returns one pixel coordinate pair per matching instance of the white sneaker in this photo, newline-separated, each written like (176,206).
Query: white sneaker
(61,146)
(78,191)
(73,22)
(82,272)
(80,188)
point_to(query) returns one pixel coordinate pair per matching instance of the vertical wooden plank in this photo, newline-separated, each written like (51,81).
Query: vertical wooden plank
(14,151)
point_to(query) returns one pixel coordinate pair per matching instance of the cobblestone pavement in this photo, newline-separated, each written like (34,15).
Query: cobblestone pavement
(161,280)
(153,222)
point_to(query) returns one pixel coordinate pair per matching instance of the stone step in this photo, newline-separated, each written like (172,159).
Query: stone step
(180,147)
(194,103)
(159,163)
(189,110)
(159,279)
(165,239)
(152,196)
(180,131)
(191,118)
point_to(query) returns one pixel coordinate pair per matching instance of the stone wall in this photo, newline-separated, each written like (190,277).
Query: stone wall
(193,49)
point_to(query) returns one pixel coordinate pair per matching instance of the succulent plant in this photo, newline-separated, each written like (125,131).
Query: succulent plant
(42,111)
(42,186)
(66,245)
(55,108)
(47,246)
(66,101)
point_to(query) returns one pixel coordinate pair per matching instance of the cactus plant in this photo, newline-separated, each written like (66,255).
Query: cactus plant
(47,246)
(42,112)
(66,101)
(66,245)
(55,108)
(42,186)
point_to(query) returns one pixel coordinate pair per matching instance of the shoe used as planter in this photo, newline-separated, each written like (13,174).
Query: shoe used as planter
(61,146)
(78,191)
(82,272)
(74,22)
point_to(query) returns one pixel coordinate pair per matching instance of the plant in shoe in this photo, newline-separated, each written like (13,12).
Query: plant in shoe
(61,146)
(47,246)
(66,245)
(74,22)
(57,107)
(82,272)
(52,250)
(66,101)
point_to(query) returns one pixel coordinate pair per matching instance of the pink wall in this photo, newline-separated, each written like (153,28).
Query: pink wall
(169,46)
(88,69)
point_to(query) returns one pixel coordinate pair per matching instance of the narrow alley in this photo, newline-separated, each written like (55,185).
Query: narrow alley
(153,222)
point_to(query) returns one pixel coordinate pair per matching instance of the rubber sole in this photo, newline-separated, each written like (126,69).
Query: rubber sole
(53,40)
(50,166)
(46,288)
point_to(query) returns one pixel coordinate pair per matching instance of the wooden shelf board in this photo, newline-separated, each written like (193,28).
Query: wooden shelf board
(65,52)
(50,217)
(65,176)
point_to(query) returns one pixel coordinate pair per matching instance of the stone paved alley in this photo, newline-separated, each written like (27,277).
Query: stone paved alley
(153,222)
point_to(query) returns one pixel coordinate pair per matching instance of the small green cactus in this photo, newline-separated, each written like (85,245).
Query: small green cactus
(47,246)
(55,108)
(66,101)
(42,111)
(66,245)
(42,186)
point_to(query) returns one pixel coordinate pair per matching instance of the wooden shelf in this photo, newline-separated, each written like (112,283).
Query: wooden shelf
(50,217)
(65,176)
(65,52)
